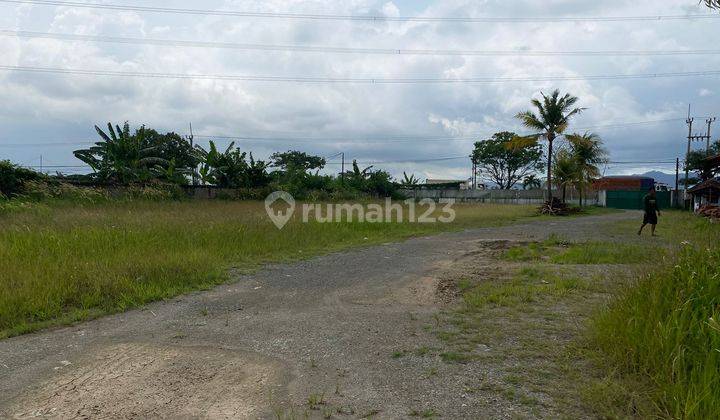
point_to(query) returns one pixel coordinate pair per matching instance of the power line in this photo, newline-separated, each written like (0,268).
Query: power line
(345,50)
(364,18)
(340,80)
(344,139)
(427,160)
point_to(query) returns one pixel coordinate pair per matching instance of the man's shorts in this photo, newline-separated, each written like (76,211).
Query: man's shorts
(650,218)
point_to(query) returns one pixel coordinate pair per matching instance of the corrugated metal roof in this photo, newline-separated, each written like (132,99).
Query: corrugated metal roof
(713,183)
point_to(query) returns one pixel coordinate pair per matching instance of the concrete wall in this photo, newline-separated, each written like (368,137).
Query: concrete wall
(498,196)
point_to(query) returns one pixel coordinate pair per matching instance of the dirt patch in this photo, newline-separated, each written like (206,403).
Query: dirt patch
(479,262)
(131,380)
(515,324)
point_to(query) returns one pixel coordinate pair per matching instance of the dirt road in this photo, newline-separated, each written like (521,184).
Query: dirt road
(333,336)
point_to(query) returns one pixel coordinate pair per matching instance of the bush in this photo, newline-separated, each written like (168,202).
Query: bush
(155,191)
(13,177)
(44,190)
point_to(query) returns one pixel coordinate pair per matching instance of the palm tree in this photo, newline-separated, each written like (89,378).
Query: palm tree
(566,171)
(531,181)
(588,153)
(713,4)
(552,118)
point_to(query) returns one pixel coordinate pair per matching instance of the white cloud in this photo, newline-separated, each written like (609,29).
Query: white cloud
(705,92)
(53,107)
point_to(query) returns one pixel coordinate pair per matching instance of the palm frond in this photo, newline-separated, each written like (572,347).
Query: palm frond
(523,142)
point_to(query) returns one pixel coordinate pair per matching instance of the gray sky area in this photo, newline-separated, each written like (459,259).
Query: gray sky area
(409,124)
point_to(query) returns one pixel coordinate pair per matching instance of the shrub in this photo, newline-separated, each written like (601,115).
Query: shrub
(12,178)
(155,191)
(44,190)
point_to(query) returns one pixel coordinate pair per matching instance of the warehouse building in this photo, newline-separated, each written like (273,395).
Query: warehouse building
(627,192)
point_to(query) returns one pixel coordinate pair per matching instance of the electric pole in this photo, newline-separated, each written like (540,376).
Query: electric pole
(192,146)
(689,122)
(696,137)
(677,182)
(342,171)
(709,122)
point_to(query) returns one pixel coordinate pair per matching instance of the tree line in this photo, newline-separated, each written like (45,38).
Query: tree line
(130,157)
(508,159)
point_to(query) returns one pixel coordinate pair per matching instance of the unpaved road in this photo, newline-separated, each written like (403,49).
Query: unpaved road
(274,343)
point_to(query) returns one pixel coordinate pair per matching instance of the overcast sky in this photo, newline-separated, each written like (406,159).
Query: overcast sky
(52,108)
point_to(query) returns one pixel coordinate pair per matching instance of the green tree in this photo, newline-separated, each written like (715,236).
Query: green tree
(257,175)
(172,146)
(294,161)
(380,183)
(531,181)
(566,171)
(503,164)
(695,161)
(588,152)
(121,157)
(713,4)
(551,120)
(294,168)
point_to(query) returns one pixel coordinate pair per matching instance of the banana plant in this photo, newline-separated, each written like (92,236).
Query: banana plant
(121,157)
(409,181)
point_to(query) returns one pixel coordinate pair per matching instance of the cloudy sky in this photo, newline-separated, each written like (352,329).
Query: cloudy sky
(53,114)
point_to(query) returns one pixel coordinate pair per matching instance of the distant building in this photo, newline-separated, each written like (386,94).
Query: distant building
(627,192)
(706,192)
(448,184)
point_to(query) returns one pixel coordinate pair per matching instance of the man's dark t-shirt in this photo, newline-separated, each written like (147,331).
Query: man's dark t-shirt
(651,209)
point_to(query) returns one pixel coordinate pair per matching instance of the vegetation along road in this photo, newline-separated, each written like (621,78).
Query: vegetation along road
(500,321)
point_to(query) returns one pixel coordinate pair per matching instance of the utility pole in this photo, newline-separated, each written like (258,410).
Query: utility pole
(677,182)
(709,122)
(41,164)
(690,139)
(475,173)
(342,171)
(689,122)
(192,146)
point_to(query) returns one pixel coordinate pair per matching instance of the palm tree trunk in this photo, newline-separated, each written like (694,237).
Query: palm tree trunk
(550,138)
(580,190)
(564,190)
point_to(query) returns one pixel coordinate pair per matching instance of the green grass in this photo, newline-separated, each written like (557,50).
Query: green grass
(558,251)
(527,286)
(663,332)
(65,262)
(609,253)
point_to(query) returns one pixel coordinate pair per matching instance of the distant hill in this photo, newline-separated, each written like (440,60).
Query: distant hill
(660,177)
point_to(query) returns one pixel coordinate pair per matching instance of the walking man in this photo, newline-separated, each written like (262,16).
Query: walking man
(651,211)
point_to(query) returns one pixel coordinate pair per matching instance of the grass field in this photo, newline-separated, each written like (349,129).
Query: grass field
(65,262)
(661,336)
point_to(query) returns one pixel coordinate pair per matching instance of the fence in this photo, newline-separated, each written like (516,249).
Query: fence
(535,196)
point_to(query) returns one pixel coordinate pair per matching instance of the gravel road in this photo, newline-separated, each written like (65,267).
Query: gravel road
(315,337)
